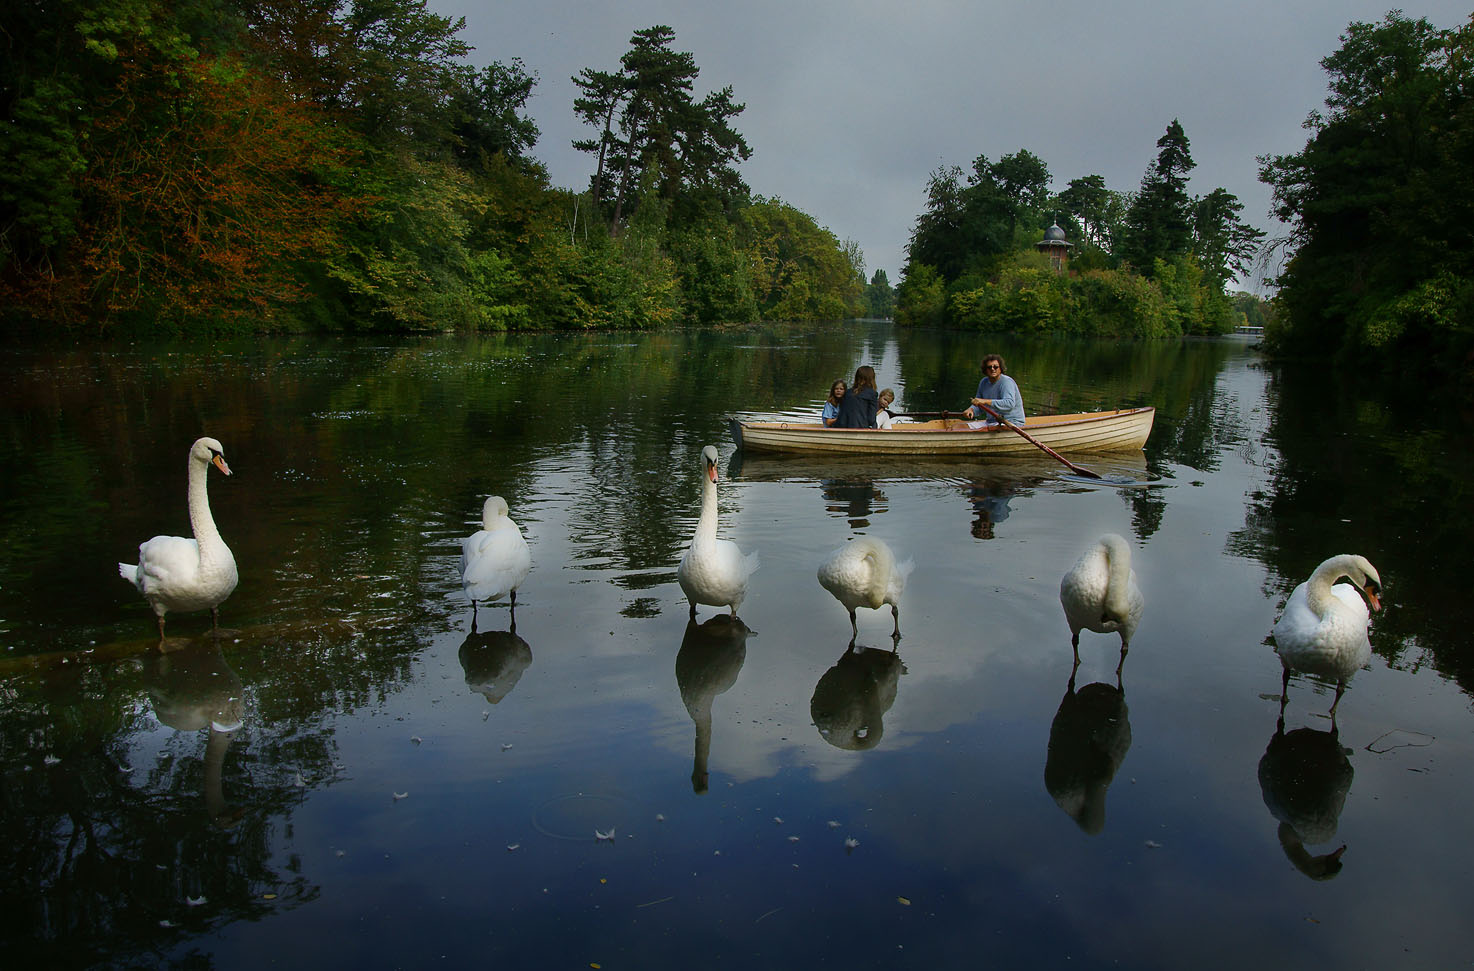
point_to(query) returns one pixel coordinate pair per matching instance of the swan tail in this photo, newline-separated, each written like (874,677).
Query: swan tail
(129,572)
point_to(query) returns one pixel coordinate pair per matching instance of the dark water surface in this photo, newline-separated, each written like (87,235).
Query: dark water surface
(402,791)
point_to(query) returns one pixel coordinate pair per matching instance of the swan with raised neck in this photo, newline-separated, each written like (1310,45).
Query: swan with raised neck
(194,573)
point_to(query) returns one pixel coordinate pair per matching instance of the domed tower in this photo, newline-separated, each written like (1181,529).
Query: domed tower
(1056,247)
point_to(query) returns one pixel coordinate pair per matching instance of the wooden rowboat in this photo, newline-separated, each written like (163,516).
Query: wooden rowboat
(1094,431)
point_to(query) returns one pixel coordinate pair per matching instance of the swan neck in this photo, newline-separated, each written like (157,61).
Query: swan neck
(200,520)
(1118,574)
(706,526)
(1318,588)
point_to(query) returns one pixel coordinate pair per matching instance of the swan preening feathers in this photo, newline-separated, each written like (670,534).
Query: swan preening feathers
(1323,630)
(864,573)
(198,573)
(494,559)
(1099,593)
(713,571)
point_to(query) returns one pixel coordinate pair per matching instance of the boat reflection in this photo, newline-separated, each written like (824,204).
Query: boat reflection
(710,658)
(1088,741)
(494,660)
(192,687)
(1304,776)
(851,699)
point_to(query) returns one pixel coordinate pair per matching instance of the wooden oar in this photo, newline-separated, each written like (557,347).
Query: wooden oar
(1040,445)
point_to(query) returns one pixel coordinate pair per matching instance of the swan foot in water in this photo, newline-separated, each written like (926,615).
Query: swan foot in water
(896,616)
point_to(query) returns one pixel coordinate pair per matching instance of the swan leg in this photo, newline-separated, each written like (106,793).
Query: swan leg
(161,628)
(854,627)
(1284,693)
(215,618)
(1340,689)
(1122,663)
(693,609)
(896,615)
(1075,645)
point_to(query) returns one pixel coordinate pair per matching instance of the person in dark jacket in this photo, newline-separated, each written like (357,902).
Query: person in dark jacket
(858,407)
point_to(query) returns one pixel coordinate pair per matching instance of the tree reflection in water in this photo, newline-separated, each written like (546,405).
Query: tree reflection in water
(852,697)
(711,656)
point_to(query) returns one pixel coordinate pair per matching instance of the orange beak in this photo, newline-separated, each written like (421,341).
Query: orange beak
(219,462)
(1371,591)
(711,472)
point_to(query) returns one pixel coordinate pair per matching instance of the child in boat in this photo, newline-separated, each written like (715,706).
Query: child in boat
(883,416)
(831,404)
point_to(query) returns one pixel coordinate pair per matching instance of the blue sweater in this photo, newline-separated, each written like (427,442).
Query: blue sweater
(1002,396)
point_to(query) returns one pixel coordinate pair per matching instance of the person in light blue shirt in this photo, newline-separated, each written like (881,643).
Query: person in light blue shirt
(998,391)
(831,404)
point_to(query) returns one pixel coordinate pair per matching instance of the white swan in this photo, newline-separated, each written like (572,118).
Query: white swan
(494,559)
(713,571)
(174,573)
(1099,593)
(864,573)
(1323,630)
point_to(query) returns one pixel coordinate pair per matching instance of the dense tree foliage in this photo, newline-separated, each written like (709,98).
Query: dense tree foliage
(1381,201)
(1149,264)
(186,165)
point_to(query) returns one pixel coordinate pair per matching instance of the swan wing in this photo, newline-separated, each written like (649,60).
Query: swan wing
(494,562)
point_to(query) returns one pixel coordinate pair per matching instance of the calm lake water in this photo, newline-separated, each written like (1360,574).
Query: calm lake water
(402,791)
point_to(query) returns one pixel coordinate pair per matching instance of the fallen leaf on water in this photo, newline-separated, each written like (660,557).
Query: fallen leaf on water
(268,896)
(833,824)
(1153,845)
(605,836)
(850,843)
(904,901)
(195,901)
(400,795)
(512,846)
(416,739)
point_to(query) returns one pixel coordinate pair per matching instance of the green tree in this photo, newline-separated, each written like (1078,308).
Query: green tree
(665,142)
(490,115)
(1159,222)
(1381,198)
(880,298)
(1224,244)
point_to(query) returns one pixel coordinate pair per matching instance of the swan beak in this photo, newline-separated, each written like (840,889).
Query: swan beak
(711,471)
(1371,590)
(219,462)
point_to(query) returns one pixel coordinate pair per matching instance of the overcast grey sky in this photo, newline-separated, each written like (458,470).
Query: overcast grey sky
(850,105)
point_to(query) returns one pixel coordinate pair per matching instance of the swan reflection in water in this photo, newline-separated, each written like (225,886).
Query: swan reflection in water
(1304,777)
(1088,741)
(192,687)
(851,699)
(494,660)
(710,658)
